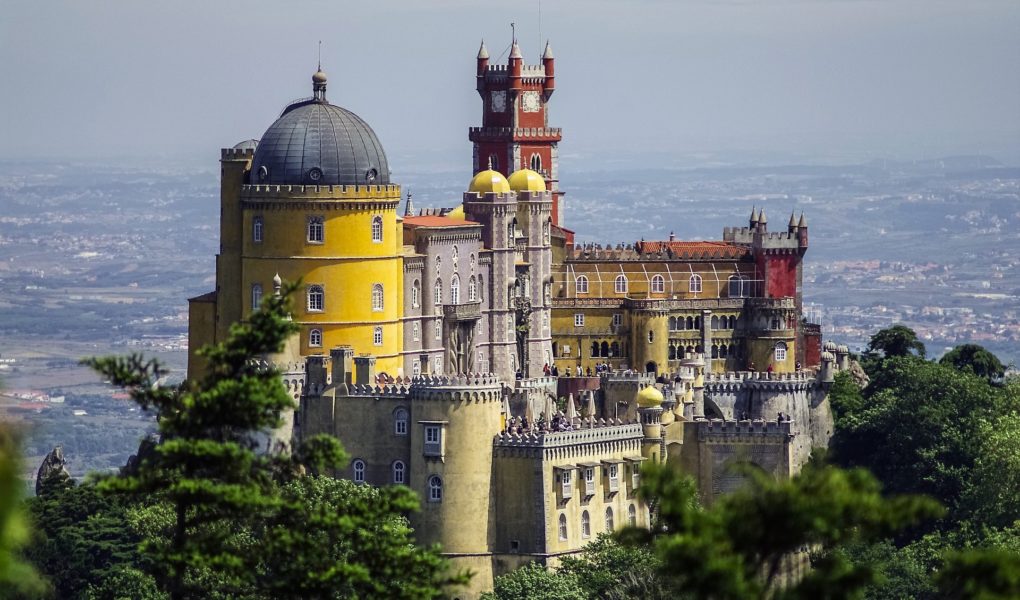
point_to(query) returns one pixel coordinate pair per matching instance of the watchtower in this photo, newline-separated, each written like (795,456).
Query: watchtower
(515,132)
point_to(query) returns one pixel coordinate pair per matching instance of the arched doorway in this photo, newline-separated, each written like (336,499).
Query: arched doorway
(651,367)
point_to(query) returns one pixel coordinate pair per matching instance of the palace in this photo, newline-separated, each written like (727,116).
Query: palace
(514,379)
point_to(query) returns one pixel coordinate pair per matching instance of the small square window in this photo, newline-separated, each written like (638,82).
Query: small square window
(578,319)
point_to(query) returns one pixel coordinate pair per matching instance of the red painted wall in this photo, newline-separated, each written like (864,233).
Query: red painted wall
(780,275)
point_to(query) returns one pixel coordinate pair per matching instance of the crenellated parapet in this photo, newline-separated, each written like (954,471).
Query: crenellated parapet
(735,381)
(600,439)
(257,192)
(717,431)
(237,153)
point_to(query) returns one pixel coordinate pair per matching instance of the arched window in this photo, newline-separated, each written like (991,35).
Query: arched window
(658,284)
(651,336)
(547,232)
(695,284)
(256,296)
(614,349)
(398,472)
(493,162)
(415,293)
(585,525)
(632,515)
(472,289)
(780,352)
(400,418)
(733,322)
(455,290)
(415,331)
(620,285)
(563,527)
(316,298)
(377,336)
(437,298)
(377,297)
(672,353)
(715,351)
(690,322)
(439,330)
(594,349)
(609,519)
(582,284)
(256,230)
(435,489)
(315,338)
(377,229)
(715,322)
(536,162)
(672,323)
(723,351)
(604,349)
(697,322)
(455,256)
(359,470)
(511,234)
(739,286)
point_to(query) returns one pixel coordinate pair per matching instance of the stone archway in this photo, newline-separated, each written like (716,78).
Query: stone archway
(651,367)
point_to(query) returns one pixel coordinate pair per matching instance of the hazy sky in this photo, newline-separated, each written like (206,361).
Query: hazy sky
(645,80)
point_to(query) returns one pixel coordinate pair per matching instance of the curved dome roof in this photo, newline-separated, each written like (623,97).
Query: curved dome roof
(316,143)
(489,181)
(649,397)
(526,180)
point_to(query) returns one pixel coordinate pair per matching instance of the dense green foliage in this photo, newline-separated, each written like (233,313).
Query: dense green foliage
(16,575)
(208,514)
(535,582)
(744,543)
(952,431)
(898,340)
(975,359)
(607,569)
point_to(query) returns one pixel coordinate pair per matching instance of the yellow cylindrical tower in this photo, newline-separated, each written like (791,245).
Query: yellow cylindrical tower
(339,243)
(312,202)
(650,341)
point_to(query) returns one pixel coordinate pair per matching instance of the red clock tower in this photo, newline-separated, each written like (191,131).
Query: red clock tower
(515,132)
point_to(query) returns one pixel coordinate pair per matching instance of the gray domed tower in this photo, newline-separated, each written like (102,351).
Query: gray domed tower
(311,194)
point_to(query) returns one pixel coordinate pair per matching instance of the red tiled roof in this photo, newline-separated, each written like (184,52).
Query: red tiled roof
(714,249)
(435,221)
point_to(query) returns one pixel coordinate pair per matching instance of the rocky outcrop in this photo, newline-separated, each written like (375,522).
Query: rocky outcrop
(53,471)
(859,376)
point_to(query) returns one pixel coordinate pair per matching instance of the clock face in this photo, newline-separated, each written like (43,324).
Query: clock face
(529,101)
(499,101)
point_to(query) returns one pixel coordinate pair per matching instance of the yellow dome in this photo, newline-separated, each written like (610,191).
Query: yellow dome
(526,180)
(649,397)
(457,213)
(489,181)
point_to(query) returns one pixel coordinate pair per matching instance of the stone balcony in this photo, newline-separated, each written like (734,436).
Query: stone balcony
(467,311)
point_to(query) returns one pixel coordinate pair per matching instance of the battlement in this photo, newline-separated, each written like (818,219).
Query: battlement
(236,153)
(717,430)
(671,250)
(387,391)
(785,303)
(442,382)
(771,240)
(390,193)
(776,382)
(497,134)
(601,432)
(262,365)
